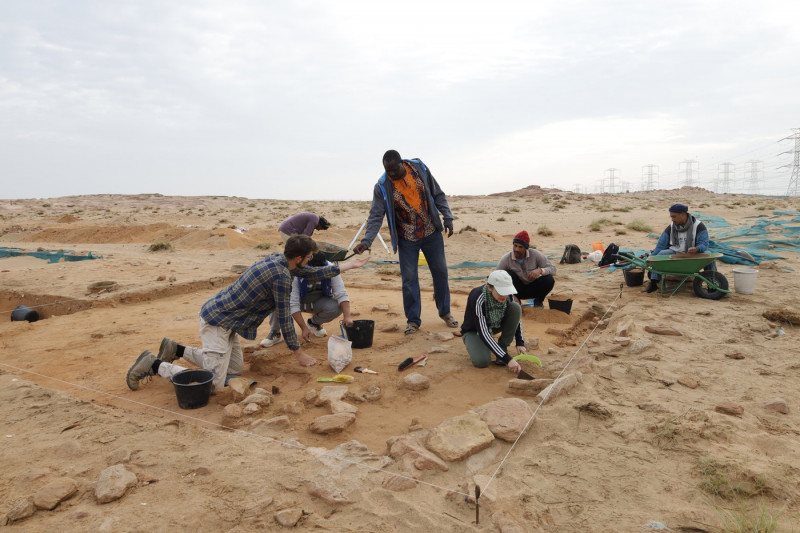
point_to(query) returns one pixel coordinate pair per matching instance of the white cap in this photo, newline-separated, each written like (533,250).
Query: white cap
(501,281)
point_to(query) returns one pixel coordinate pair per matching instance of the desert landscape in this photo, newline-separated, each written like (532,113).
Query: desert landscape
(669,413)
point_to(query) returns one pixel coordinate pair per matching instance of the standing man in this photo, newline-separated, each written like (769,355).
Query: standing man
(302,224)
(531,272)
(238,310)
(685,234)
(414,205)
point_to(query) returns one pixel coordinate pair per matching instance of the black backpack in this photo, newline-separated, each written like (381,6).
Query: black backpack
(572,254)
(610,255)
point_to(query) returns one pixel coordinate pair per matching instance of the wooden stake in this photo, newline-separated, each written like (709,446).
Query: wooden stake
(477,504)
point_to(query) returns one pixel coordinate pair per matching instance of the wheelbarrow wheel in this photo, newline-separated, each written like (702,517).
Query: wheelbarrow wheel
(704,290)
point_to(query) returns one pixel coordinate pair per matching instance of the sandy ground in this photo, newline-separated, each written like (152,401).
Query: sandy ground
(639,443)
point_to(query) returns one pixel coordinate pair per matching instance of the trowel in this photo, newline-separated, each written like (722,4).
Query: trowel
(524,375)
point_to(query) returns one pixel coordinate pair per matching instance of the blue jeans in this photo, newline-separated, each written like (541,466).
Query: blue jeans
(432,248)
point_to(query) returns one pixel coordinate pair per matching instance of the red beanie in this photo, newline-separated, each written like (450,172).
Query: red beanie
(523,239)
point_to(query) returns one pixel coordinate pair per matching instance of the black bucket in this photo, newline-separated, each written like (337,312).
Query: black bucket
(22,312)
(560,305)
(193,388)
(634,277)
(360,333)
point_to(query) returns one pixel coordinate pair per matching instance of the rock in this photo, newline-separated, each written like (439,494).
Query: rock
(251,409)
(408,449)
(352,397)
(113,482)
(330,393)
(554,331)
(380,307)
(343,407)
(288,517)
(224,396)
(293,408)
(55,492)
(689,382)
(327,424)
(390,328)
(436,349)
(373,393)
(639,345)
(729,408)
(240,387)
(21,510)
(623,341)
(734,355)
(777,404)
(443,336)
(528,387)
(415,381)
(663,330)
(459,437)
(232,413)
(264,400)
(506,417)
(625,328)
(277,422)
(328,491)
(398,483)
(560,386)
(532,343)
(310,396)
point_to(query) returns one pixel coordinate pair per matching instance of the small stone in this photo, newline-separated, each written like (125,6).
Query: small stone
(639,345)
(251,409)
(390,328)
(623,341)
(112,483)
(288,517)
(689,382)
(49,496)
(734,355)
(380,307)
(777,404)
(729,408)
(373,393)
(436,349)
(416,382)
(20,511)
(264,400)
(327,424)
(444,336)
(663,330)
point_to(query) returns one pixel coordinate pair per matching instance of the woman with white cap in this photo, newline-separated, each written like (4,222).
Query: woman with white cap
(490,311)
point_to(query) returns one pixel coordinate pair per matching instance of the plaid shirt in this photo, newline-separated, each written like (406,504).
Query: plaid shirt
(263,288)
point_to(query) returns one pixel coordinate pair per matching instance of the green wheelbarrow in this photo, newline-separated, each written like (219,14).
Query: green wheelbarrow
(708,284)
(332,252)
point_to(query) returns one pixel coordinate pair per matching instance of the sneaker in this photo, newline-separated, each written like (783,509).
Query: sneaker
(141,369)
(272,339)
(168,351)
(318,331)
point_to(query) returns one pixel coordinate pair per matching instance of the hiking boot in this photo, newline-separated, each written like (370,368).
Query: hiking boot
(141,369)
(168,351)
(318,331)
(651,287)
(272,339)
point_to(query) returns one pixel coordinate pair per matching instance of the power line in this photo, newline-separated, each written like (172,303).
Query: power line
(795,177)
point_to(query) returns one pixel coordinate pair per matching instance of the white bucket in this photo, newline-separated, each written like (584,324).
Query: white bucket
(744,280)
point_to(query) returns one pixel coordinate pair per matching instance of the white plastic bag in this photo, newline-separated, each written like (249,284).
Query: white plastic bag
(340,353)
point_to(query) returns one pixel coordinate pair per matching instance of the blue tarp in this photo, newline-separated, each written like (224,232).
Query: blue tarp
(50,256)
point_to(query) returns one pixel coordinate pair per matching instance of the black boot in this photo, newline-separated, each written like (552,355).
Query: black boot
(651,287)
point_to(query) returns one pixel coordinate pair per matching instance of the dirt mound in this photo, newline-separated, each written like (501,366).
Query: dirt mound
(67,219)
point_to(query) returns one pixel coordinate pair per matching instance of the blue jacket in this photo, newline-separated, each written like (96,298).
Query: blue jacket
(383,204)
(700,238)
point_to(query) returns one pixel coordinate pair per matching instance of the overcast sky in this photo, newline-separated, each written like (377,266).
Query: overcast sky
(300,99)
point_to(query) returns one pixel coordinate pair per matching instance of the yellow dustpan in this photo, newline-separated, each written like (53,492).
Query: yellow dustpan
(338,378)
